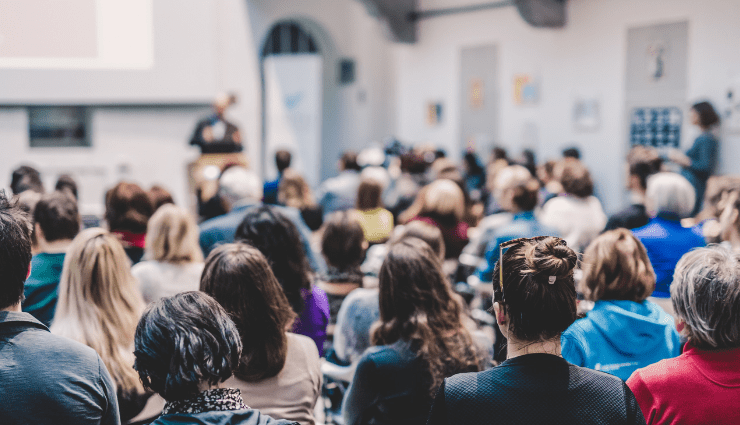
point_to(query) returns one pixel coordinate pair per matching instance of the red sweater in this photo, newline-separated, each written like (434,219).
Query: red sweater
(697,387)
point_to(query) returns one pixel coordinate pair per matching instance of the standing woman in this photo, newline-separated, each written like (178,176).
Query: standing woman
(420,340)
(699,162)
(99,306)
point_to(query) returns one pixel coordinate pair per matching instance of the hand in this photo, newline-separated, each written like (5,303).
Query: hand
(679,158)
(207,134)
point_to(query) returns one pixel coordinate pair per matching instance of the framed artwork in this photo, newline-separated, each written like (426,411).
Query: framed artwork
(526,90)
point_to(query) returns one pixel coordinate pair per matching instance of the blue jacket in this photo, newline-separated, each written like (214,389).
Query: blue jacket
(619,337)
(221,417)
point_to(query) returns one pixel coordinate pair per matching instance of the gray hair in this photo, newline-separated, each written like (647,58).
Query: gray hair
(706,295)
(670,193)
(238,183)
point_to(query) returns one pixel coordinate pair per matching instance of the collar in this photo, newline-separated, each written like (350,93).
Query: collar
(132,239)
(14,318)
(535,359)
(218,399)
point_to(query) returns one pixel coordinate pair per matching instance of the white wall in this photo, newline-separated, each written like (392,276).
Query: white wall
(586,58)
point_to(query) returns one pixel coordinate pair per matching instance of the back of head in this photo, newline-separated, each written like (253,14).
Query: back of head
(15,252)
(498,153)
(172,236)
(240,279)
(670,194)
(518,181)
(443,199)
(349,161)
(369,195)
(128,208)
(643,162)
(184,341)
(427,233)
(279,241)
(537,290)
(342,241)
(282,160)
(708,116)
(26,178)
(575,178)
(706,296)
(160,196)
(65,182)
(616,267)
(572,152)
(57,215)
(294,191)
(238,184)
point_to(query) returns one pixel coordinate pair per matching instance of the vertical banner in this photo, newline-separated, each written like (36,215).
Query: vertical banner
(293,112)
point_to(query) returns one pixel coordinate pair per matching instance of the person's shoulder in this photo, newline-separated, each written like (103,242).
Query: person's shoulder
(68,355)
(144,267)
(242,417)
(468,385)
(665,372)
(595,379)
(303,344)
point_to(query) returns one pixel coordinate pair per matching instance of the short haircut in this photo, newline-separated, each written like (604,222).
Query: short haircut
(183,341)
(369,195)
(172,236)
(616,267)
(670,193)
(443,200)
(282,160)
(707,114)
(57,216)
(159,196)
(128,208)
(538,291)
(427,233)
(15,251)
(342,241)
(65,182)
(237,183)
(26,178)
(349,161)
(572,152)
(576,179)
(518,179)
(643,162)
(706,294)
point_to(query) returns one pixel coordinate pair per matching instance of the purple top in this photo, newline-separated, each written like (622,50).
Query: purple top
(313,320)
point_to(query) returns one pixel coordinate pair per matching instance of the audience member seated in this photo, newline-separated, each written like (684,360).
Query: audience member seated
(295,193)
(702,385)
(474,175)
(442,204)
(642,163)
(716,196)
(340,193)
(279,372)
(186,346)
(729,223)
(376,221)
(57,222)
(402,191)
(535,301)
(46,379)
(270,188)
(127,211)
(159,196)
(26,178)
(242,190)
(343,246)
(99,306)
(174,261)
(268,230)
(551,187)
(65,182)
(624,331)
(420,341)
(669,198)
(577,216)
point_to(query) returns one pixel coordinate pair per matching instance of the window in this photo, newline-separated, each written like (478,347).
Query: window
(58,126)
(288,38)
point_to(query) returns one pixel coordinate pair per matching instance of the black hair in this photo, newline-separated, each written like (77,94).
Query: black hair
(342,241)
(473,163)
(65,182)
(282,160)
(279,241)
(349,161)
(572,152)
(15,251)
(26,178)
(185,340)
(57,215)
(707,115)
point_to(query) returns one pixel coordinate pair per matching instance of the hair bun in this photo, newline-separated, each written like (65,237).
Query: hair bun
(551,257)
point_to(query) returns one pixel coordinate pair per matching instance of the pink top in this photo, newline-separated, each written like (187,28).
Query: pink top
(455,237)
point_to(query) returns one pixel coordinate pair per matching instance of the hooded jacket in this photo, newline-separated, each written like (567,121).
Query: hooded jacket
(619,337)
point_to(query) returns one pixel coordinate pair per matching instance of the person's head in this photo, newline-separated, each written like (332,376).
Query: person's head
(56,217)
(348,161)
(369,195)
(127,208)
(222,102)
(643,162)
(413,162)
(26,178)
(99,302)
(572,152)
(266,229)
(533,289)
(293,191)
(65,182)
(343,241)
(159,196)
(515,189)
(426,232)
(669,194)
(472,163)
(575,178)
(616,267)
(239,184)
(703,115)
(183,342)
(706,297)
(172,236)
(444,200)
(282,160)
(417,305)
(15,252)
(499,153)
(240,279)
(546,171)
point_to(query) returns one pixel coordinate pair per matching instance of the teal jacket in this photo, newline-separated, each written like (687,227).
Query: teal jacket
(40,290)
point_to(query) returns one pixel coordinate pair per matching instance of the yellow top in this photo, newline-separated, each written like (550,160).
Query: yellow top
(377,224)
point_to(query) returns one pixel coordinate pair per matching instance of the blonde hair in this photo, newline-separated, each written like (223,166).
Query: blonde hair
(172,236)
(444,198)
(99,304)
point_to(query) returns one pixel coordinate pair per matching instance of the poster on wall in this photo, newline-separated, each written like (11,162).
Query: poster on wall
(526,90)
(434,113)
(475,94)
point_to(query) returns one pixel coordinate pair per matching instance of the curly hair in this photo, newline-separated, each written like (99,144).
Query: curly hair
(416,305)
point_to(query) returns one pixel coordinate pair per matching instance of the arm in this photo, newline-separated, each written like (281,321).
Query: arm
(110,414)
(438,414)
(361,393)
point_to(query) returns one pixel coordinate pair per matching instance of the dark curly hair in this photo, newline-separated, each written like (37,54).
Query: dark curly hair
(279,241)
(185,340)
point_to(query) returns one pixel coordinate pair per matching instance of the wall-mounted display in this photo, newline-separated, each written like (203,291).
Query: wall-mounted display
(656,127)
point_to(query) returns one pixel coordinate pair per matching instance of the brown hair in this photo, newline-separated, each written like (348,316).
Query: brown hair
(643,162)
(707,115)
(526,194)
(417,306)
(293,191)
(368,195)
(576,179)
(537,290)
(159,196)
(426,232)
(616,267)
(128,208)
(342,241)
(240,279)
(282,160)
(57,215)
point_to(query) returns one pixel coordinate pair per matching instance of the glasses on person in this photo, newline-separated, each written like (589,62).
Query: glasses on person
(510,244)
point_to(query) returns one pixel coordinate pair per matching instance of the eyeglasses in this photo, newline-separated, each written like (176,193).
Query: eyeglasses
(510,244)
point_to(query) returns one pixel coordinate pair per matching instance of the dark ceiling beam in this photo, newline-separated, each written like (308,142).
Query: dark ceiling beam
(434,13)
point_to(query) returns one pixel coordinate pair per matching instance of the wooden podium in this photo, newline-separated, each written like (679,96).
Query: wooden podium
(203,174)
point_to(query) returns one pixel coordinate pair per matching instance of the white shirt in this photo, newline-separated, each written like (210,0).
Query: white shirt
(579,220)
(158,279)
